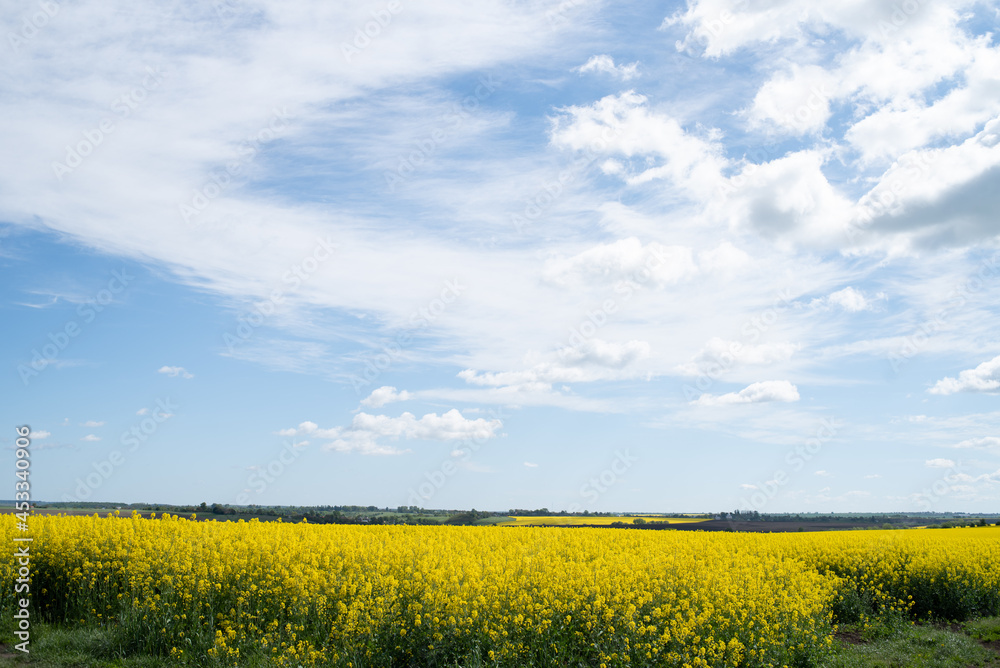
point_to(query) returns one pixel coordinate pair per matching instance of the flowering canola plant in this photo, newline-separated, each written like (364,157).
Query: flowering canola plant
(345,595)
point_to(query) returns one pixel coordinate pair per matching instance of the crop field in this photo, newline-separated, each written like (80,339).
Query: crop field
(574,520)
(241,593)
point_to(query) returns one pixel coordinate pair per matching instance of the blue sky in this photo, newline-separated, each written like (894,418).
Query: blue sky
(614,256)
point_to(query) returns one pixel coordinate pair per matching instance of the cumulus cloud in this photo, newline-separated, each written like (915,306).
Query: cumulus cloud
(91,438)
(623,125)
(531,465)
(931,198)
(40,434)
(767,390)
(984,378)
(92,423)
(364,433)
(851,300)
(939,464)
(787,199)
(385,395)
(175,371)
(796,102)
(605,64)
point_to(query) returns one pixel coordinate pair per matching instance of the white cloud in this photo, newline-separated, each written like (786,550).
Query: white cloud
(174,371)
(932,198)
(873,476)
(823,474)
(719,355)
(531,465)
(768,390)
(92,423)
(939,464)
(142,411)
(91,438)
(585,360)
(796,102)
(385,395)
(910,122)
(623,125)
(40,434)
(851,300)
(984,378)
(982,443)
(724,259)
(748,486)
(606,65)
(722,27)
(365,431)
(605,353)
(788,199)
(623,260)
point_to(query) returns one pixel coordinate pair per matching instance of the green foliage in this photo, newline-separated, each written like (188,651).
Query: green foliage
(913,647)
(987,628)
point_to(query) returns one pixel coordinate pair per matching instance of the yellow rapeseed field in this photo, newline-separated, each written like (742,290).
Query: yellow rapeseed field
(223,592)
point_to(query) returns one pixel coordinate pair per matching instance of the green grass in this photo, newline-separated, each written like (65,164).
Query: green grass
(983,629)
(59,647)
(918,647)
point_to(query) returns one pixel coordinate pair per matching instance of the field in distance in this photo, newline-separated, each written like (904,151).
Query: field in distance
(577,520)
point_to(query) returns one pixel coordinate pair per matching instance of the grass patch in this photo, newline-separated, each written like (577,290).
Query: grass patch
(913,647)
(61,647)
(986,629)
